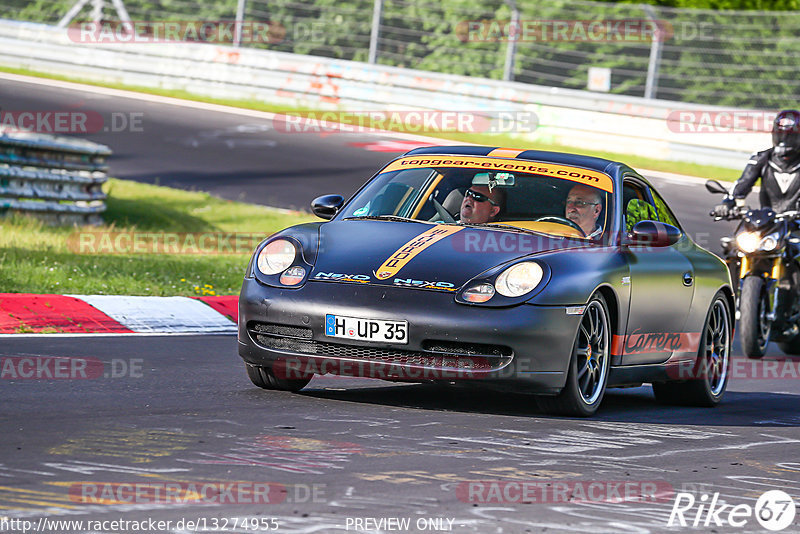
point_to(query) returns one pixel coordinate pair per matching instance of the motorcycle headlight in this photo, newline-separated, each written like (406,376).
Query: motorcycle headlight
(748,241)
(769,243)
(519,279)
(276,256)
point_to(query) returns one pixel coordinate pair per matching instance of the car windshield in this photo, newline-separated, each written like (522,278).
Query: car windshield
(511,195)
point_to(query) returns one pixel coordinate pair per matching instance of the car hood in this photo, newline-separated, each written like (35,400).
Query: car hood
(420,255)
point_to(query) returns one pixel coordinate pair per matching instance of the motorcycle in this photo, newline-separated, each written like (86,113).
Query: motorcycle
(764,257)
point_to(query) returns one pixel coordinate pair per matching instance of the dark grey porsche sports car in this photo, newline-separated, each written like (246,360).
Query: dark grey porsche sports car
(538,272)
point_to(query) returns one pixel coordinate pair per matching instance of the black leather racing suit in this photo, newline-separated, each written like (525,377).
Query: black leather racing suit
(780,180)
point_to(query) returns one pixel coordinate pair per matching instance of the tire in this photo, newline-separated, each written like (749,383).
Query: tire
(792,346)
(589,364)
(710,373)
(263,377)
(753,323)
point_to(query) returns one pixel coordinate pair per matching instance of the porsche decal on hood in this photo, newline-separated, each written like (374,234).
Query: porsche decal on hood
(406,253)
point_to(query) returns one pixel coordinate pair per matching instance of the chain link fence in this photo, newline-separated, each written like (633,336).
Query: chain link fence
(745,59)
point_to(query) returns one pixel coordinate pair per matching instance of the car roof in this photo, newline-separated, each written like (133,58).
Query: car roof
(614,169)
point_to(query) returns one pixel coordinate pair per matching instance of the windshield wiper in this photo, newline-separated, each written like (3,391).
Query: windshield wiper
(385,218)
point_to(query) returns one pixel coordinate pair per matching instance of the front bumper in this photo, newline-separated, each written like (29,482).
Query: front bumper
(524,348)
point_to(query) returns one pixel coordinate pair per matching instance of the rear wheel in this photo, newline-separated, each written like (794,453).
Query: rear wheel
(588,367)
(263,377)
(710,373)
(791,347)
(753,323)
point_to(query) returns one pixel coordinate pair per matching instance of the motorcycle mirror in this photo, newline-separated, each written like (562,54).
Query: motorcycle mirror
(714,186)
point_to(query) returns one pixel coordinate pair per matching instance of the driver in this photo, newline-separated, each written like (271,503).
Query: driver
(583,207)
(777,167)
(481,205)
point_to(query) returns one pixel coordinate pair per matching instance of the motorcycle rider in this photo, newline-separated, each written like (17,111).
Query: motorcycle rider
(778,167)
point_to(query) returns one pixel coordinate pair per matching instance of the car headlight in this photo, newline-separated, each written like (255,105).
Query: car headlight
(519,279)
(748,241)
(479,293)
(276,257)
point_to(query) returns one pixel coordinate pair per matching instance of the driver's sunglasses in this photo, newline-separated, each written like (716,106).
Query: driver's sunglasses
(479,197)
(580,203)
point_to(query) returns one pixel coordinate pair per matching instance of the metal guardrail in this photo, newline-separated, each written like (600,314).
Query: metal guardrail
(53,178)
(583,119)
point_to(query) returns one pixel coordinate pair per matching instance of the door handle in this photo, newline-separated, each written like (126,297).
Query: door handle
(688,279)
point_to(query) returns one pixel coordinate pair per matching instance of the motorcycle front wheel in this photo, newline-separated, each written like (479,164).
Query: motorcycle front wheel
(754,324)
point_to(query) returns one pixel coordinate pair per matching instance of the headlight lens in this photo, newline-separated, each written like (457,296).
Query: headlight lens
(748,241)
(479,293)
(293,276)
(276,256)
(770,242)
(519,279)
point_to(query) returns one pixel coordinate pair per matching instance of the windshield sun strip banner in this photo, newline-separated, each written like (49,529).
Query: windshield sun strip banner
(407,252)
(575,174)
(505,153)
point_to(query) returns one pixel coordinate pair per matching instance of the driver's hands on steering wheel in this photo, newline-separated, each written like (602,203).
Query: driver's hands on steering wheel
(562,220)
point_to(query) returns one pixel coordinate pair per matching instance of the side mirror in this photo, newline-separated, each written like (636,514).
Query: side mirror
(713,186)
(326,206)
(654,234)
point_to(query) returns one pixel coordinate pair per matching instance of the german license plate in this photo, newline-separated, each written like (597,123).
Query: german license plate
(366,329)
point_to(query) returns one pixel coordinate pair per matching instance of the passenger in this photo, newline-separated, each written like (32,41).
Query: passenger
(584,205)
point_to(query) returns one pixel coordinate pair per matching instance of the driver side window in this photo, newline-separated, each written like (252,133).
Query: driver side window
(636,206)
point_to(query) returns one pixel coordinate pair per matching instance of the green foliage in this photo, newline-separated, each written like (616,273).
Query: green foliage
(709,54)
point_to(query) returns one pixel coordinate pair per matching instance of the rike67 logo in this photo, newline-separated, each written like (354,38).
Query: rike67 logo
(774,510)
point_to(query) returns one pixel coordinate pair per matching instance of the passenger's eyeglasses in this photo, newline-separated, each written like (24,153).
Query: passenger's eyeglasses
(580,203)
(479,197)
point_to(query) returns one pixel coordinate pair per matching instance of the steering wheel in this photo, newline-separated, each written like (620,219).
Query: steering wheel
(561,220)
(443,213)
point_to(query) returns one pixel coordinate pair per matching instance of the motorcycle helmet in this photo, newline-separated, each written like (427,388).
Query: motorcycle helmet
(786,132)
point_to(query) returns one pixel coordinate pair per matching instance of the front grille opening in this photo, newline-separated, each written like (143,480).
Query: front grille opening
(468,349)
(282,330)
(437,355)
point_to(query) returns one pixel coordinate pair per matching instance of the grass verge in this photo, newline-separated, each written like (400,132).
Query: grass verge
(37,258)
(637,162)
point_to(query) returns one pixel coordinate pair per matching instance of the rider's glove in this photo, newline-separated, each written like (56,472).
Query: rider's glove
(724,209)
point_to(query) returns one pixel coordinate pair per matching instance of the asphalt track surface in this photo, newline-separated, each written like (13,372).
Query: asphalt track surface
(178,414)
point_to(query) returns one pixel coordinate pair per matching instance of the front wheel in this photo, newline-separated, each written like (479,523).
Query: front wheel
(754,324)
(588,367)
(709,377)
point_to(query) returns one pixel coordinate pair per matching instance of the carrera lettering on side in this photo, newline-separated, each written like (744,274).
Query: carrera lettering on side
(340,277)
(407,252)
(575,174)
(424,284)
(638,343)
